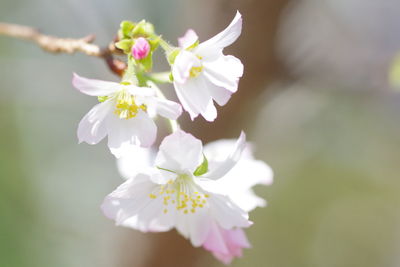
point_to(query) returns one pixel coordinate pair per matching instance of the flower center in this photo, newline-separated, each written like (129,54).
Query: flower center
(182,193)
(195,71)
(126,107)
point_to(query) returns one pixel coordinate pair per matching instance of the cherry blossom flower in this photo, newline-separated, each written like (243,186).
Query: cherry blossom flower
(202,73)
(122,115)
(208,208)
(179,192)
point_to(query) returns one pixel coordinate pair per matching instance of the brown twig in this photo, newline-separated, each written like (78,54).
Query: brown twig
(65,45)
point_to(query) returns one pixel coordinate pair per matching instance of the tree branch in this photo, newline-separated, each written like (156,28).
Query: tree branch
(54,44)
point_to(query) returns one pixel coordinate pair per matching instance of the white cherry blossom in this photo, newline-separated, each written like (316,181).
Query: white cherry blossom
(122,114)
(176,194)
(202,73)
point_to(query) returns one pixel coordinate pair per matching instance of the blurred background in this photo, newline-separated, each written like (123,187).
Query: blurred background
(315,100)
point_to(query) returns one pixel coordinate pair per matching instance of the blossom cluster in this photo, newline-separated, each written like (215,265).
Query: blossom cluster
(204,192)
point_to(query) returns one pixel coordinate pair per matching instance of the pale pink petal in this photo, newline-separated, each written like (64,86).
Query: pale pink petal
(226,244)
(219,170)
(180,152)
(122,133)
(225,38)
(188,39)
(94,87)
(92,128)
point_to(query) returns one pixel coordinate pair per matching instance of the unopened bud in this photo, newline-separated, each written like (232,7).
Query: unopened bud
(141,48)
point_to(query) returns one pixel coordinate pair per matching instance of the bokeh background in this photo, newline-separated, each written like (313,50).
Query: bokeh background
(315,100)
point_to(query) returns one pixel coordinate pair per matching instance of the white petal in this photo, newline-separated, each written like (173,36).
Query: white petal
(122,133)
(224,167)
(130,205)
(219,94)
(94,87)
(195,226)
(140,91)
(92,128)
(180,152)
(228,214)
(184,62)
(188,39)
(168,109)
(224,72)
(135,160)
(196,99)
(218,150)
(223,39)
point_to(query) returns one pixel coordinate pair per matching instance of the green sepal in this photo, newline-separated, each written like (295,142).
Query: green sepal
(154,43)
(147,62)
(126,28)
(125,45)
(203,168)
(172,56)
(143,29)
(171,77)
(194,45)
(102,98)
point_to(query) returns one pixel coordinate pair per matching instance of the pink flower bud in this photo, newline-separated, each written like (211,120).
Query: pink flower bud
(141,48)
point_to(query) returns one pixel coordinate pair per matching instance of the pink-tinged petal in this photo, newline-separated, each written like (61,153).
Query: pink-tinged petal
(130,206)
(196,99)
(215,241)
(123,133)
(92,128)
(168,109)
(224,72)
(183,64)
(226,244)
(219,170)
(225,38)
(94,87)
(180,152)
(141,48)
(189,39)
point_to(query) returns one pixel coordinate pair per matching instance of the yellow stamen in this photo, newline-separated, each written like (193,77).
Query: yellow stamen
(126,108)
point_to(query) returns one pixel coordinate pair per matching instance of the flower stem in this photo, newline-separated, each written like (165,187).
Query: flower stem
(166,46)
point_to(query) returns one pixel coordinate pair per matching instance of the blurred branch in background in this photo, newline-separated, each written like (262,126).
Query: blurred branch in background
(54,44)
